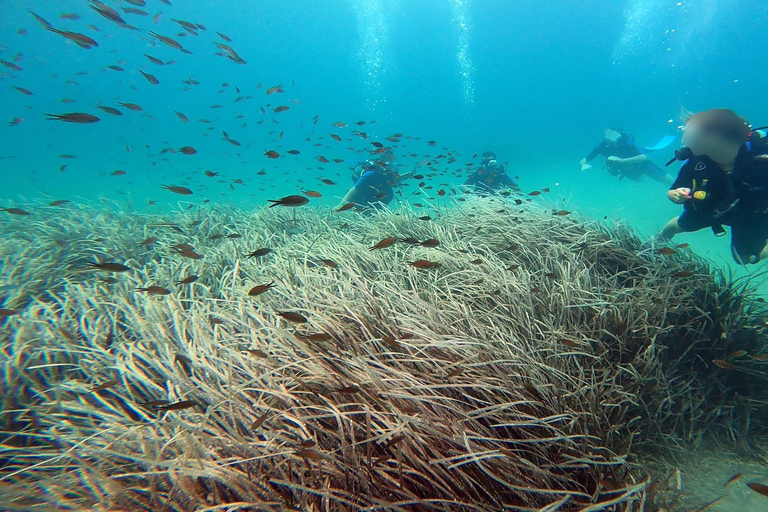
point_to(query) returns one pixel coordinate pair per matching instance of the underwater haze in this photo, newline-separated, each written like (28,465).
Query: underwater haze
(146,276)
(536,82)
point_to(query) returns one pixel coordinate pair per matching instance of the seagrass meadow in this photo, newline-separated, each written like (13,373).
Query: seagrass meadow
(534,362)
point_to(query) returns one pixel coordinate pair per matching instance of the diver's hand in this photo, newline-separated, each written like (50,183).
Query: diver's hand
(586,167)
(615,159)
(679,195)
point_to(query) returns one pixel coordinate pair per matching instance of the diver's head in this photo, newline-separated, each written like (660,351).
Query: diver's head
(488,158)
(613,134)
(717,133)
(387,158)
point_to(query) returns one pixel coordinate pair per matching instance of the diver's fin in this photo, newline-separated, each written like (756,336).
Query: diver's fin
(664,142)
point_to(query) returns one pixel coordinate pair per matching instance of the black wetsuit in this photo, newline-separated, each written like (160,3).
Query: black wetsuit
(625,147)
(738,199)
(489,178)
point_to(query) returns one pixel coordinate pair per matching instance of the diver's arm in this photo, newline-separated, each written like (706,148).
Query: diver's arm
(638,159)
(348,196)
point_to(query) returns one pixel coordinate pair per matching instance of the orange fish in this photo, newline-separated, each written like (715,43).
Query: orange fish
(383,243)
(423,264)
(259,289)
(312,193)
(346,207)
(271,153)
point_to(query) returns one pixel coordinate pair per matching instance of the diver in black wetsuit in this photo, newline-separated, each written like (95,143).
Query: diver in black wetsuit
(624,158)
(490,176)
(724,182)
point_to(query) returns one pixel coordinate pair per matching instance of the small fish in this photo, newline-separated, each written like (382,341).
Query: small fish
(109,267)
(667,251)
(454,373)
(150,78)
(188,280)
(5,313)
(184,191)
(234,236)
(310,454)
(319,336)
(258,353)
(723,364)
(106,385)
(211,174)
(281,108)
(293,151)
(117,173)
(477,261)
(189,253)
(131,106)
(534,193)
(432,242)
(275,89)
(346,207)
(74,117)
(167,41)
(109,110)
(81,40)
(424,264)
(16,211)
(271,153)
(759,488)
(148,241)
(292,317)
(293,200)
(260,421)
(59,202)
(187,150)
(326,181)
(682,273)
(184,404)
(24,91)
(567,342)
(154,290)
(329,263)
(258,253)
(424,217)
(383,243)
(733,479)
(312,193)
(259,289)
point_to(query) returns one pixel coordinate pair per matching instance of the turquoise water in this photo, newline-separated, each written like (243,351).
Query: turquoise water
(533,81)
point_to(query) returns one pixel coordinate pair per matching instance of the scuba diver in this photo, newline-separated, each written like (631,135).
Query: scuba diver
(490,176)
(374,180)
(625,159)
(724,182)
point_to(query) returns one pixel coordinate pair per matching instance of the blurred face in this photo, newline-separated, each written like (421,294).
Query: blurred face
(612,135)
(703,139)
